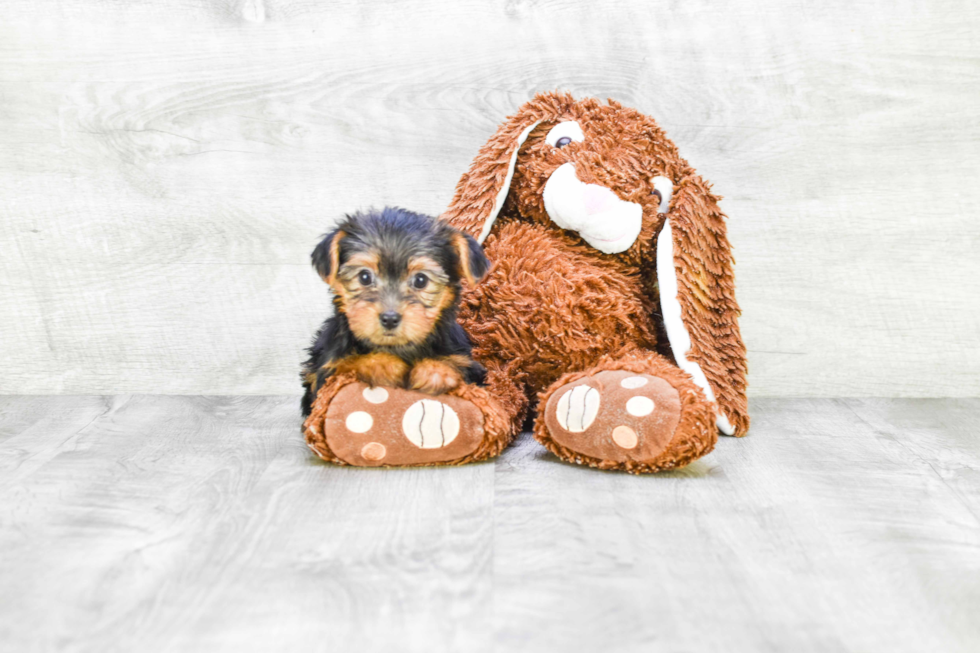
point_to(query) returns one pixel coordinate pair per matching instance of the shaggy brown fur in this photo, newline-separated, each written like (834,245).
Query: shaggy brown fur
(553,305)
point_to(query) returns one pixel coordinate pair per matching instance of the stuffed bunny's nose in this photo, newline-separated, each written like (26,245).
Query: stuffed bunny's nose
(597,198)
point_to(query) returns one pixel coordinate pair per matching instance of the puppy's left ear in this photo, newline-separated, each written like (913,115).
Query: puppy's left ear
(326,256)
(473,264)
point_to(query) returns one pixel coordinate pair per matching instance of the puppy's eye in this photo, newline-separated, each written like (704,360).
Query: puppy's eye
(563,141)
(365,277)
(420,281)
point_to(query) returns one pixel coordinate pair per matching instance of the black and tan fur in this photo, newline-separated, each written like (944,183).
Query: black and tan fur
(396,277)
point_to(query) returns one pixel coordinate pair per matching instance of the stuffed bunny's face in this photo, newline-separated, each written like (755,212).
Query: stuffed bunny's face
(603,187)
(595,185)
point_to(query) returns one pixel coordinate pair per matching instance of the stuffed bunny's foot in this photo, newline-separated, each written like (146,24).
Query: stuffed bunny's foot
(358,425)
(629,420)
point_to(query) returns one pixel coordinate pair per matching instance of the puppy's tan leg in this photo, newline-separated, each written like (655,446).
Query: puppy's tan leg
(375,369)
(436,376)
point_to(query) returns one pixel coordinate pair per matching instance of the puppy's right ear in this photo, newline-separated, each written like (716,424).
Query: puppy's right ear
(326,256)
(473,263)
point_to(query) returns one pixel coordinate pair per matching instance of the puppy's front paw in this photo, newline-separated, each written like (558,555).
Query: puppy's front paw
(434,377)
(376,369)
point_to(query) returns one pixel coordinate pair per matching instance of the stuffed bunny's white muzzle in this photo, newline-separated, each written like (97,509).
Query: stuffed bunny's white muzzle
(596,213)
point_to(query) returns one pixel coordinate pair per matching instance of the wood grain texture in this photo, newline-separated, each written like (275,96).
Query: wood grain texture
(158,523)
(166,168)
(205,524)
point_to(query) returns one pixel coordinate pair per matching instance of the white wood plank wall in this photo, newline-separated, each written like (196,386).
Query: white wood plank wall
(166,167)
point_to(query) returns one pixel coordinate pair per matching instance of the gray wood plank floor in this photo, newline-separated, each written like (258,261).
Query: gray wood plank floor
(163,523)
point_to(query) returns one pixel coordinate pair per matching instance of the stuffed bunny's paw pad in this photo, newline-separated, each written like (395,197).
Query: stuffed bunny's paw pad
(614,415)
(369,427)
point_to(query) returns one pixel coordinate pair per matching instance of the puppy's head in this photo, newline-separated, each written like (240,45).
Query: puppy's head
(396,274)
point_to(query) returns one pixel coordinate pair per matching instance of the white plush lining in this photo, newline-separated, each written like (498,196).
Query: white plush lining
(498,203)
(677,334)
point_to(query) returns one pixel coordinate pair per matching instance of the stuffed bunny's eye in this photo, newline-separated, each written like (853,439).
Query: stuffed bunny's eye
(564,133)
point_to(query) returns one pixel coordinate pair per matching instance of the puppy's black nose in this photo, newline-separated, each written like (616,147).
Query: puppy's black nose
(390,319)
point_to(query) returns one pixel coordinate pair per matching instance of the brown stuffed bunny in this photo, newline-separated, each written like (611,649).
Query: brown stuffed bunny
(610,299)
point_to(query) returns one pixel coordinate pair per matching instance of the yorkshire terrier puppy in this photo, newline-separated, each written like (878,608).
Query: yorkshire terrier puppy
(396,280)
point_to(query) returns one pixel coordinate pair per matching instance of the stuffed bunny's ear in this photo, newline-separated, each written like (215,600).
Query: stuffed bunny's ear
(697,297)
(482,190)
